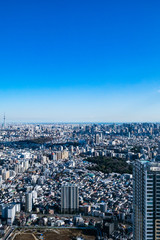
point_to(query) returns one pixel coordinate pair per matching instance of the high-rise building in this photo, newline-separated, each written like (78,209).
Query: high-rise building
(146,200)
(8,212)
(97,139)
(11,211)
(34,196)
(69,198)
(0,180)
(159,147)
(28,203)
(4,122)
(5,174)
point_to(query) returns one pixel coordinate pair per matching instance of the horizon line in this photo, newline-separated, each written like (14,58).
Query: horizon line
(83,122)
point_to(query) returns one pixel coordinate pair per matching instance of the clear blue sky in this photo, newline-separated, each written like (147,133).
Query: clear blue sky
(80,60)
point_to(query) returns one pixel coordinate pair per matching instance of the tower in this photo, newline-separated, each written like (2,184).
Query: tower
(28,203)
(69,198)
(4,121)
(146,200)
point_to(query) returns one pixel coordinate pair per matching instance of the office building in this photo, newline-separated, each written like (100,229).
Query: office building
(69,198)
(146,200)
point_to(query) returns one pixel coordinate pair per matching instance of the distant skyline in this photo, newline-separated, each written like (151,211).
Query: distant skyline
(79,61)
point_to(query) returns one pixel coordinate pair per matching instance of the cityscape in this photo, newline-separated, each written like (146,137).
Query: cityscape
(80,176)
(79,120)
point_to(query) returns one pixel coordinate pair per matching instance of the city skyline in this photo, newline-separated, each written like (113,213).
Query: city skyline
(90,171)
(83,61)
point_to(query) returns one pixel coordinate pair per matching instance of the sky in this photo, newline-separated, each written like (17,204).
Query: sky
(80,61)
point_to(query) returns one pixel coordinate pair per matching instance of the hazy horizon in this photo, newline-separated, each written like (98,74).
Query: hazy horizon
(83,123)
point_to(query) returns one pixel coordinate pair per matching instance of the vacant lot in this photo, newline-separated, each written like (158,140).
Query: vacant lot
(24,236)
(57,234)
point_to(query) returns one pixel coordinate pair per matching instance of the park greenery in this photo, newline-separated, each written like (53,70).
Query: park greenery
(109,165)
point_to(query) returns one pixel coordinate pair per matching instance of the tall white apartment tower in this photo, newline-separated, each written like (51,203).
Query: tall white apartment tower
(146,200)
(69,198)
(28,203)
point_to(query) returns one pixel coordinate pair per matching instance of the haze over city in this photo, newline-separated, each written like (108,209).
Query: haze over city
(80,61)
